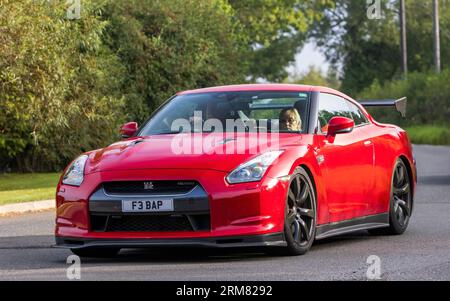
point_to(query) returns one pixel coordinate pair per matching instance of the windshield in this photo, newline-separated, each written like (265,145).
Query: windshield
(231,112)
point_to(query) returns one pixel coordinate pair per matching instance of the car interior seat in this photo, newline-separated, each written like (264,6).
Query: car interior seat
(301,107)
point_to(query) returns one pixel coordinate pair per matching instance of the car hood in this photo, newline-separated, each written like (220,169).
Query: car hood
(184,151)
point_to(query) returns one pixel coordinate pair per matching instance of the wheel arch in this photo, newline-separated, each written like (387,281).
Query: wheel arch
(312,178)
(316,176)
(410,175)
(319,213)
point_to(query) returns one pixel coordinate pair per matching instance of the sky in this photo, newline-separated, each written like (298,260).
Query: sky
(310,55)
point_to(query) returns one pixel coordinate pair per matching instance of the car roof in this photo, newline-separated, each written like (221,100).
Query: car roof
(266,87)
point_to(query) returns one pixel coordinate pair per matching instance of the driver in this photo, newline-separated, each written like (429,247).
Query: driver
(290,120)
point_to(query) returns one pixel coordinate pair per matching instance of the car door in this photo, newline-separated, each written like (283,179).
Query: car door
(347,161)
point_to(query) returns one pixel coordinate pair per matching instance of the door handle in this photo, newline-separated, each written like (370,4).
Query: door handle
(368,142)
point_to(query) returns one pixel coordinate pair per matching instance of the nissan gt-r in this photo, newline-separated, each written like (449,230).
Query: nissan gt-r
(265,165)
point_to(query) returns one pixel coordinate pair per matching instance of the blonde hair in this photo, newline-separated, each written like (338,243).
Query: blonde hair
(291,112)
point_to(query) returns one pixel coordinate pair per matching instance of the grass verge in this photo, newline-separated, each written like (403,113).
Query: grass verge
(16,188)
(429,134)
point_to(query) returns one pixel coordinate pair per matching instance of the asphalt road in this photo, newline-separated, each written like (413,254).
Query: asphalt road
(422,253)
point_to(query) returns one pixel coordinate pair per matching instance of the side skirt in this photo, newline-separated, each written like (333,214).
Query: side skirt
(357,224)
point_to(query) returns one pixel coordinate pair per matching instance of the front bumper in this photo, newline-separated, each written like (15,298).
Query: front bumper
(276,239)
(241,210)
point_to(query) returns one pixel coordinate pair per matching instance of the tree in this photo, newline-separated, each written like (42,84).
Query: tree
(369,50)
(363,49)
(276,31)
(173,45)
(314,76)
(57,83)
(66,85)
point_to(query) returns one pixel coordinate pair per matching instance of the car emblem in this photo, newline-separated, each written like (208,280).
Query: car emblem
(148,185)
(320,159)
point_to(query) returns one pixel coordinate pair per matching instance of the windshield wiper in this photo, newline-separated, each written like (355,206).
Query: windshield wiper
(185,132)
(167,133)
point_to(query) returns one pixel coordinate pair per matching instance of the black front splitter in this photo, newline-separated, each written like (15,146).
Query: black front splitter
(275,240)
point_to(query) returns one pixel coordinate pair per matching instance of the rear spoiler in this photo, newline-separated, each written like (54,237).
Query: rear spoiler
(400,104)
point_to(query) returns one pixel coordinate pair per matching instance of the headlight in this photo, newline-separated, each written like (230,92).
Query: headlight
(75,173)
(253,170)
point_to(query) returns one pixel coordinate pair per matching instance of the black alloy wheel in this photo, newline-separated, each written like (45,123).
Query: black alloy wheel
(400,208)
(401,202)
(300,215)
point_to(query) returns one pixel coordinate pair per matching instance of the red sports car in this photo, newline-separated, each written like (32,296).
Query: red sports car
(268,165)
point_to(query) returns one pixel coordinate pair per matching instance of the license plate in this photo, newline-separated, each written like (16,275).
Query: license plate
(147,205)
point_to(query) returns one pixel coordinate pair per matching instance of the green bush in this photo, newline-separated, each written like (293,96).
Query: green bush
(174,45)
(428,134)
(428,99)
(66,85)
(57,84)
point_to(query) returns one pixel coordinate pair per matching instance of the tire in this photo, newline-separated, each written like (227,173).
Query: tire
(96,252)
(400,205)
(300,216)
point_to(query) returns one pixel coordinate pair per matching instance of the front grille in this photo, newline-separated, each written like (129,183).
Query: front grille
(149,223)
(149,187)
(190,212)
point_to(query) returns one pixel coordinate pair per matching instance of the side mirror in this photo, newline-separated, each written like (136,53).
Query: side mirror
(128,129)
(340,125)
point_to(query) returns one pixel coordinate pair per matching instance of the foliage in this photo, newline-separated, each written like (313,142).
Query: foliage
(366,49)
(66,85)
(420,34)
(369,50)
(57,84)
(428,99)
(315,77)
(173,45)
(275,31)
(428,134)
